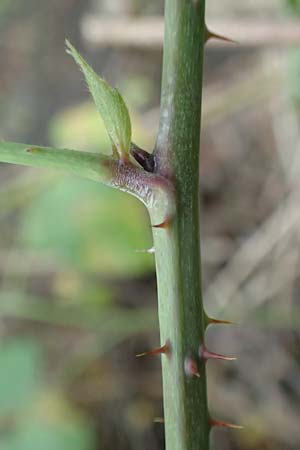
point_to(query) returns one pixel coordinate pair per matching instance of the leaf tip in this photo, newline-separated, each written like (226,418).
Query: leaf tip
(69,47)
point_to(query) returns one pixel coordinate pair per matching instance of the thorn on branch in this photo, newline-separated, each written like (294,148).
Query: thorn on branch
(220,423)
(212,321)
(205,354)
(147,250)
(164,225)
(165,349)
(211,35)
(158,420)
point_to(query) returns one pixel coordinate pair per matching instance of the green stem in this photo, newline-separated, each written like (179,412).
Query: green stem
(181,314)
(171,195)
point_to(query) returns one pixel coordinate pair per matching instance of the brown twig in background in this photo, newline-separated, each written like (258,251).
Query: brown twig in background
(148,32)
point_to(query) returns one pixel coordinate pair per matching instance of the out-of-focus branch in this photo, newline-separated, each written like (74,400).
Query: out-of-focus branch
(283,221)
(148,32)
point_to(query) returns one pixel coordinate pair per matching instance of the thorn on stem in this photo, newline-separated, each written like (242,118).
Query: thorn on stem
(205,354)
(211,35)
(190,367)
(220,423)
(148,250)
(212,321)
(165,349)
(164,225)
(158,420)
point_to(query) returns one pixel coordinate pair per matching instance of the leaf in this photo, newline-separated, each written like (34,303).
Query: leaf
(110,105)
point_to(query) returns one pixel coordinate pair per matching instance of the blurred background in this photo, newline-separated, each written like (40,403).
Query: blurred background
(77,292)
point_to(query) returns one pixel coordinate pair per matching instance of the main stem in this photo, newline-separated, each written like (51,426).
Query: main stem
(177,247)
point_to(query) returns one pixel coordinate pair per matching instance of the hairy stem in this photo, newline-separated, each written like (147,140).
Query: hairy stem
(177,247)
(153,190)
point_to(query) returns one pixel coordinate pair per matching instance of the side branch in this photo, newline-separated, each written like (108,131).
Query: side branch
(153,190)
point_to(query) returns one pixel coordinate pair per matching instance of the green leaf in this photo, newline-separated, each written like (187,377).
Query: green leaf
(110,104)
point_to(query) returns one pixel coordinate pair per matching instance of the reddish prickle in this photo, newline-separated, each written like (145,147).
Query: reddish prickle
(165,349)
(165,224)
(220,423)
(205,354)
